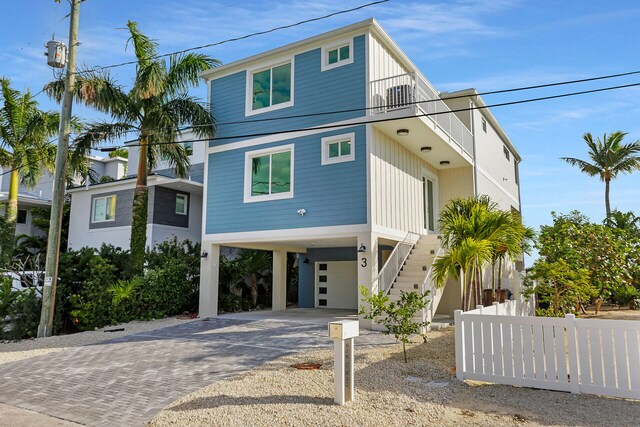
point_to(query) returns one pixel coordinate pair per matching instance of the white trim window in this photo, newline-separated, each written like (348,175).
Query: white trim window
(338,148)
(337,54)
(268,174)
(104,209)
(269,88)
(182,201)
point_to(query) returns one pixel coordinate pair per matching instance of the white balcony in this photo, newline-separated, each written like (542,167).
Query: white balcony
(409,95)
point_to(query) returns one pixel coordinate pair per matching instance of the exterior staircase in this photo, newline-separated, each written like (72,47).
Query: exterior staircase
(412,273)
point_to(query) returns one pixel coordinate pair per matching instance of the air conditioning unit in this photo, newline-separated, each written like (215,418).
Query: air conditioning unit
(400,96)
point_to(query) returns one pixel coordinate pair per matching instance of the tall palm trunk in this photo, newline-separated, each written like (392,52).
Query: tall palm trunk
(11,216)
(254,290)
(139,212)
(607,181)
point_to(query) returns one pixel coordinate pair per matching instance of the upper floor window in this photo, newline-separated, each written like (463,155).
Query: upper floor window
(507,153)
(104,209)
(484,125)
(181,204)
(22,216)
(188,147)
(336,55)
(338,149)
(270,88)
(269,174)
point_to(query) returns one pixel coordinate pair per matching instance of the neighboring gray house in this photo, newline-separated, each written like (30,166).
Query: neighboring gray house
(40,195)
(101,213)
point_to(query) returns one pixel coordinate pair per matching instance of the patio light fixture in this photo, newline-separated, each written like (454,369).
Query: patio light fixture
(204,254)
(362,248)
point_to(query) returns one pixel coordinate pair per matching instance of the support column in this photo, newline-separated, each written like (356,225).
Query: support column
(367,269)
(209,280)
(279,293)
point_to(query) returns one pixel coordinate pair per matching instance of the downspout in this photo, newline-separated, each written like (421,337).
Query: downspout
(475,162)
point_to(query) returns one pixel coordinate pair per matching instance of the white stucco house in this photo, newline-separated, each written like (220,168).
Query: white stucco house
(40,195)
(101,213)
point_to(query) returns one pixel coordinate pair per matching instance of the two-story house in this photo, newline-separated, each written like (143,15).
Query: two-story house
(40,195)
(338,148)
(101,213)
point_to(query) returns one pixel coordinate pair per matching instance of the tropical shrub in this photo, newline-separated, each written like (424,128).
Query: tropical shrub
(398,318)
(560,288)
(610,255)
(19,311)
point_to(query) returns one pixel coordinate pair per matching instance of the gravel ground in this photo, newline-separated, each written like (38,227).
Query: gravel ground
(388,393)
(11,351)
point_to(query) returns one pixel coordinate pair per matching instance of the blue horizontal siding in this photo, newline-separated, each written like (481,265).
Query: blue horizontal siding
(315,91)
(331,194)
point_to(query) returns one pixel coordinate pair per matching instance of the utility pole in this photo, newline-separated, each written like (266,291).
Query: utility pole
(45,328)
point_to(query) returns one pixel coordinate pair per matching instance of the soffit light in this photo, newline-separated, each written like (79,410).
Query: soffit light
(402,132)
(445,163)
(425,149)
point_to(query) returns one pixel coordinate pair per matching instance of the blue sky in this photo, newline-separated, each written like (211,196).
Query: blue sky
(486,44)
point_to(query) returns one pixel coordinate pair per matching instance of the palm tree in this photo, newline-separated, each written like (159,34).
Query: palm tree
(609,157)
(155,108)
(476,233)
(626,221)
(255,264)
(25,150)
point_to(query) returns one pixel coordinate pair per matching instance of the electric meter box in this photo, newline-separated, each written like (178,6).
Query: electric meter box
(56,54)
(344,329)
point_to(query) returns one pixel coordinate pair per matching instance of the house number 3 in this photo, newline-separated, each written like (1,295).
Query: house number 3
(363,263)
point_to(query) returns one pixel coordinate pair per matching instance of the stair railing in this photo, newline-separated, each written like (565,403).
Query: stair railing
(435,293)
(396,260)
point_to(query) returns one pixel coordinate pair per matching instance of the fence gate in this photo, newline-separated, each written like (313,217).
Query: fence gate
(567,354)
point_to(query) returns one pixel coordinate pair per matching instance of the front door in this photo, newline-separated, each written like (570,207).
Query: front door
(430,208)
(336,284)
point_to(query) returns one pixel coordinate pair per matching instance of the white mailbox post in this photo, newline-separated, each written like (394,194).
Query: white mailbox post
(343,332)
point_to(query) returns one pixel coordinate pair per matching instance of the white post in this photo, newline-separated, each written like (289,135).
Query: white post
(209,278)
(367,269)
(343,333)
(479,307)
(459,340)
(279,290)
(574,375)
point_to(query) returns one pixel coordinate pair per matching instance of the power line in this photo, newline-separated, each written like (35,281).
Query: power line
(363,122)
(352,110)
(246,36)
(334,126)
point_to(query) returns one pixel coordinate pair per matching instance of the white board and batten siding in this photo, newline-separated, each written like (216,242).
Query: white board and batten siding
(567,354)
(396,177)
(382,63)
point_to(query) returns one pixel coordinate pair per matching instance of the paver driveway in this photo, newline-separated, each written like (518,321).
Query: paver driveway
(124,382)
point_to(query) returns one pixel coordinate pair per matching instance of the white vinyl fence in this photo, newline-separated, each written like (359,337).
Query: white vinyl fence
(568,354)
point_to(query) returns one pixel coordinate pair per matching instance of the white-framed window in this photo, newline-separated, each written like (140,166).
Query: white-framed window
(337,54)
(104,209)
(182,201)
(269,88)
(507,153)
(22,216)
(188,147)
(484,125)
(339,148)
(268,174)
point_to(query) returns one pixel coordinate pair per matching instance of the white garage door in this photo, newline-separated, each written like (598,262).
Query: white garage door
(337,284)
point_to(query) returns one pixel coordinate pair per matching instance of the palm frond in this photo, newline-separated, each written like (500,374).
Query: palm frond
(184,70)
(144,48)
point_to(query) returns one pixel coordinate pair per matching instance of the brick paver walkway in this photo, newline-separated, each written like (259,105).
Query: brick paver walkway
(124,382)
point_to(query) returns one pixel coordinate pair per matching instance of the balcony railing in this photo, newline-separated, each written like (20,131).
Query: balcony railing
(412,93)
